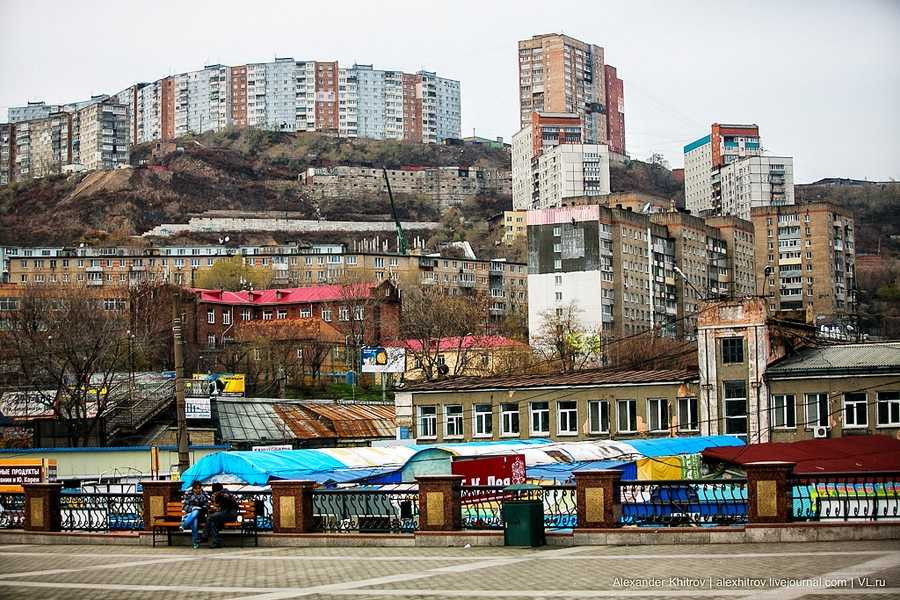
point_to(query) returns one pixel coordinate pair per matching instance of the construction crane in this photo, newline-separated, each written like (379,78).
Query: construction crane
(401,237)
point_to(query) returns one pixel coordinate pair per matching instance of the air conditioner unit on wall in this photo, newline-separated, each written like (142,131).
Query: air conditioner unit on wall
(820,432)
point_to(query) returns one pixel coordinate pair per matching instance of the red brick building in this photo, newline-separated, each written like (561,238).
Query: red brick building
(615,110)
(371,309)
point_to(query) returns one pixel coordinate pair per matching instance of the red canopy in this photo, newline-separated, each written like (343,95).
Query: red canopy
(854,453)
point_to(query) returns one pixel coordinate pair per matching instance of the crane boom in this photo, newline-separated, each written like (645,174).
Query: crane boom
(401,237)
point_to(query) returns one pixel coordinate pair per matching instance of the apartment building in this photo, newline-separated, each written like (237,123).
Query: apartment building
(753,181)
(561,74)
(550,162)
(7,153)
(447,186)
(725,173)
(505,283)
(614,265)
(740,252)
(102,135)
(806,259)
(514,224)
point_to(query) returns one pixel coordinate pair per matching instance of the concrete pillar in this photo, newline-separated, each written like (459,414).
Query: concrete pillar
(158,493)
(292,506)
(440,508)
(42,506)
(769,491)
(597,500)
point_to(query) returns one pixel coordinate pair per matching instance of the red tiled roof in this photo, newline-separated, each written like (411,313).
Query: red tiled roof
(453,343)
(302,295)
(838,455)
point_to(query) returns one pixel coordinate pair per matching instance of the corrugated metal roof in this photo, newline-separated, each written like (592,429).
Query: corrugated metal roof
(870,357)
(579,378)
(251,420)
(319,293)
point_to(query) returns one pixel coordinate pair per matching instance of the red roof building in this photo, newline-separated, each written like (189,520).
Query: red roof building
(855,453)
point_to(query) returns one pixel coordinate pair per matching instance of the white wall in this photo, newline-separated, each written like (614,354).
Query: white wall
(581,288)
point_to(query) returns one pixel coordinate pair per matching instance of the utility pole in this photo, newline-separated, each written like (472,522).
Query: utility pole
(184,460)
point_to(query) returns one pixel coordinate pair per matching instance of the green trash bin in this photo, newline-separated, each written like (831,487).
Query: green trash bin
(523,516)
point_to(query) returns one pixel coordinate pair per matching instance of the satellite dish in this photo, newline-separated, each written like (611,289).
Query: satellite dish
(443,369)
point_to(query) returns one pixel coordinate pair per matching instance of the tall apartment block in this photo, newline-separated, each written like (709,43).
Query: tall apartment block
(725,173)
(550,163)
(808,252)
(558,73)
(95,135)
(620,267)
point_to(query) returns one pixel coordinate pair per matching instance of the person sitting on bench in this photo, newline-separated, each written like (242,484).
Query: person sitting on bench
(193,505)
(224,509)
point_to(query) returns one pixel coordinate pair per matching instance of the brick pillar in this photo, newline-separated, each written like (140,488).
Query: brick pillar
(597,501)
(440,508)
(42,506)
(157,493)
(292,506)
(768,491)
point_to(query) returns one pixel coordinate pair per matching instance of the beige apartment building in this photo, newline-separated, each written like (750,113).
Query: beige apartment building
(740,250)
(515,225)
(505,283)
(560,74)
(805,259)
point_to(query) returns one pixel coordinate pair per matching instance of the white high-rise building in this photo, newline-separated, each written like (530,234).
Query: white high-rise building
(572,170)
(756,181)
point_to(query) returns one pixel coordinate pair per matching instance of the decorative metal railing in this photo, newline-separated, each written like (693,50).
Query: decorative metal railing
(262,500)
(845,497)
(12,510)
(559,507)
(686,503)
(482,506)
(101,512)
(366,510)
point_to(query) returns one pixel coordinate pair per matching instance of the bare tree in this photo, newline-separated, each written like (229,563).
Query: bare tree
(563,341)
(436,323)
(360,300)
(70,347)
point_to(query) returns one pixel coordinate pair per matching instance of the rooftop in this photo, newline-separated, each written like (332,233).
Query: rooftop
(596,377)
(319,293)
(839,359)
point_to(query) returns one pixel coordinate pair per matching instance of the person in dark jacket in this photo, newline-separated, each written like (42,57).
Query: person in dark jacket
(224,509)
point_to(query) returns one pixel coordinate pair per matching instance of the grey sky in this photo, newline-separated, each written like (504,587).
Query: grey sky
(817,76)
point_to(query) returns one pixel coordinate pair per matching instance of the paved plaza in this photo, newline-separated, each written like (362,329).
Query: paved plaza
(776,571)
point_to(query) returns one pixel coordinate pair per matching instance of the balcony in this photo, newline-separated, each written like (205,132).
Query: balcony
(465,284)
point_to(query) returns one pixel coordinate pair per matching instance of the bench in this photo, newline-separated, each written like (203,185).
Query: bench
(170,522)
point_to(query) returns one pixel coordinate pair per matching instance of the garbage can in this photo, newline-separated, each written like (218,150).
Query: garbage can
(523,515)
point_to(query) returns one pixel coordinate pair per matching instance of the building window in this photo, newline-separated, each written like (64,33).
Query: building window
(889,408)
(658,413)
(211,316)
(246,314)
(281,313)
(484,426)
(732,350)
(267,315)
(855,413)
(735,395)
(688,419)
(211,341)
(427,422)
(344,313)
(359,312)
(509,419)
(817,412)
(598,416)
(326,315)
(226,317)
(540,418)
(626,411)
(306,312)
(567,418)
(784,411)
(453,421)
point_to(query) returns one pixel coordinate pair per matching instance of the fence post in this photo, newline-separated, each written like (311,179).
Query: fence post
(292,506)
(769,491)
(42,511)
(597,501)
(157,493)
(440,507)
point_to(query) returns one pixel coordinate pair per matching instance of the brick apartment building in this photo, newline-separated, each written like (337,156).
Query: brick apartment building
(372,310)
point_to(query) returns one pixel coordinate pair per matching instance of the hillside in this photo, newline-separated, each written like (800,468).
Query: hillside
(253,170)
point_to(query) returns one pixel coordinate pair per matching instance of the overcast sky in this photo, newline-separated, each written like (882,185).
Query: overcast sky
(817,76)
